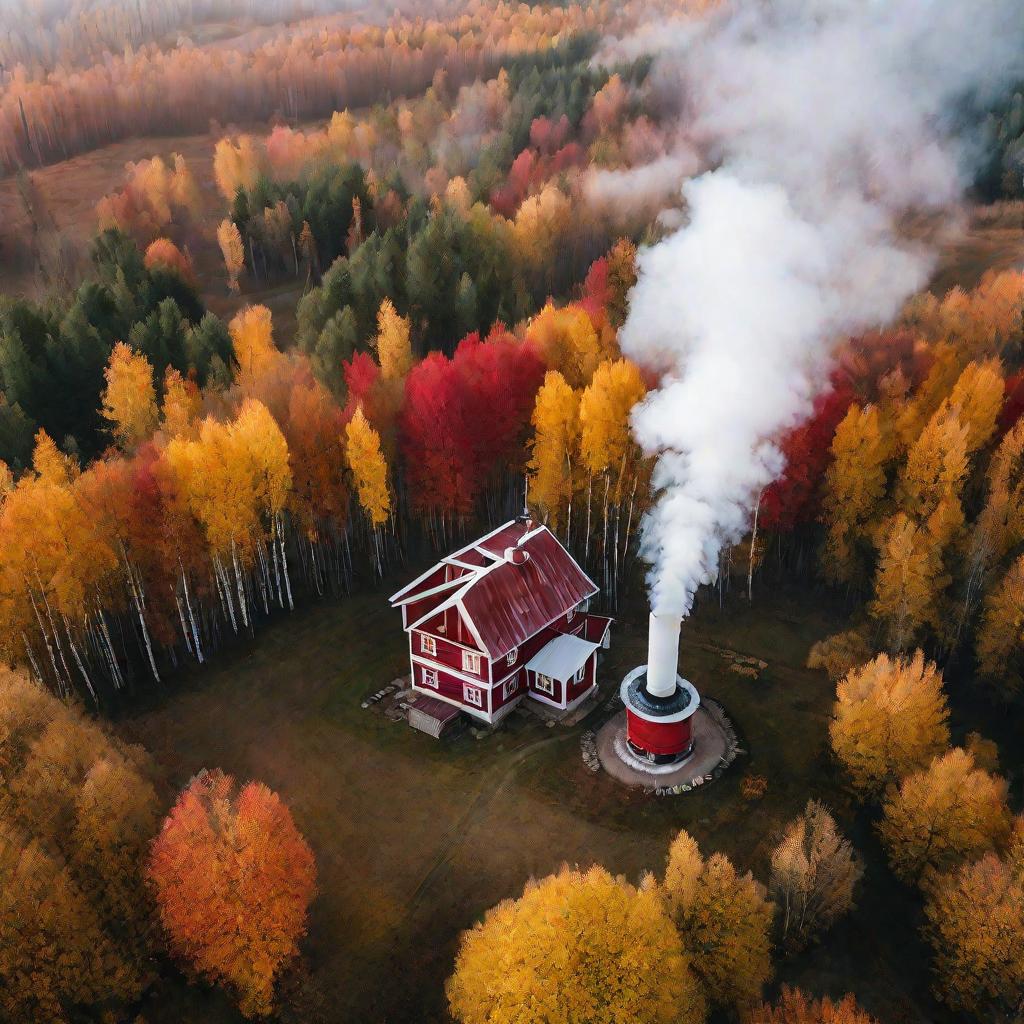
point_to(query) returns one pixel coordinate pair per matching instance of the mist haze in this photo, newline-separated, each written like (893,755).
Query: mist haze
(821,126)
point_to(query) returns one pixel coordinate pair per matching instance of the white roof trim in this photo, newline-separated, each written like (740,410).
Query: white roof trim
(419,579)
(452,560)
(473,575)
(471,625)
(480,540)
(562,657)
(489,554)
(440,588)
(442,607)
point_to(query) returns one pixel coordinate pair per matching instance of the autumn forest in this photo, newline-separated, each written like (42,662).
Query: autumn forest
(298,297)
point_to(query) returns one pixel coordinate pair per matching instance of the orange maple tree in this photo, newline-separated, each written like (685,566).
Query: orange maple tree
(233,879)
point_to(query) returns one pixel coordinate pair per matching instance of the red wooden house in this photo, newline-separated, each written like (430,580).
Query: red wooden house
(502,619)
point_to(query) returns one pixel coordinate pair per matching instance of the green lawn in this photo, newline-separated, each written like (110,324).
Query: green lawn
(415,840)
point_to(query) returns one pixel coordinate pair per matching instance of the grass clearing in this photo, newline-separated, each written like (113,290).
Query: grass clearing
(415,839)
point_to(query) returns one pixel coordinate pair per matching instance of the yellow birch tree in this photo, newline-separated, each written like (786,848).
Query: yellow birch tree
(890,718)
(394,348)
(129,399)
(580,946)
(555,436)
(854,488)
(230,241)
(724,918)
(945,814)
(369,469)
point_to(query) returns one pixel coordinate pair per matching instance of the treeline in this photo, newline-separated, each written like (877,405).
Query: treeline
(52,356)
(694,941)
(945,824)
(454,210)
(1002,175)
(301,71)
(90,30)
(217,505)
(905,487)
(96,893)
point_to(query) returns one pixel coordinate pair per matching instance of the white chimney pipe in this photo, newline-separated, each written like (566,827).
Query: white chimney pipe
(662,654)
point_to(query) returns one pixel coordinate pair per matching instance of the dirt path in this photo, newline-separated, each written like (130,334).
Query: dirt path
(460,830)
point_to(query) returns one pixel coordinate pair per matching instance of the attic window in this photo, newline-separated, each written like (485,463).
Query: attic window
(428,645)
(569,614)
(510,658)
(471,662)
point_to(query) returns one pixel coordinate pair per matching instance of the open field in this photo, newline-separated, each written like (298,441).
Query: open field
(415,839)
(67,194)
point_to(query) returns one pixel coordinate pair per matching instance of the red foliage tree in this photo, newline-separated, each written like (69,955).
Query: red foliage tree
(793,498)
(1013,403)
(547,136)
(233,879)
(464,418)
(596,291)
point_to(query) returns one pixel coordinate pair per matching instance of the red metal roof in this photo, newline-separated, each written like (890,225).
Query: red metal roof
(504,604)
(510,603)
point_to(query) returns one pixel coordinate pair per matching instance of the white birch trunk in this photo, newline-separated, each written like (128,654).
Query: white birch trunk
(46,641)
(79,663)
(243,603)
(32,658)
(753,548)
(108,646)
(56,635)
(224,587)
(191,614)
(284,567)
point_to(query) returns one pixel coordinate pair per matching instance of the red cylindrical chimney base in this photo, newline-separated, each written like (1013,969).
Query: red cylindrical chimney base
(659,729)
(658,741)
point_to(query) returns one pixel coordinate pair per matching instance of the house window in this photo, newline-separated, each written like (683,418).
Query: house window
(430,678)
(428,645)
(545,684)
(569,614)
(580,672)
(510,658)
(510,687)
(473,695)
(471,662)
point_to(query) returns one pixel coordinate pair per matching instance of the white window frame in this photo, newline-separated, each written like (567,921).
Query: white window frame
(428,645)
(512,656)
(430,678)
(580,673)
(569,614)
(510,687)
(544,684)
(473,695)
(471,662)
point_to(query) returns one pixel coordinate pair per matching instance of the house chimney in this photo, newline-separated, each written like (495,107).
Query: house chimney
(662,654)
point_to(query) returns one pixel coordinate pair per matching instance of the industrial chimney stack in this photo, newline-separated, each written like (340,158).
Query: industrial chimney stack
(660,704)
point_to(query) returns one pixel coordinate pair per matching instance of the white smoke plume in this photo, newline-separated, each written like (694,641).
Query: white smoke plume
(823,123)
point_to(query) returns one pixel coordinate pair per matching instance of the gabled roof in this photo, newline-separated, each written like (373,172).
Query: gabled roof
(503,603)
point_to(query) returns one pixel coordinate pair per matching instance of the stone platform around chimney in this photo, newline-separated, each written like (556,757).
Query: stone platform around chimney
(710,750)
